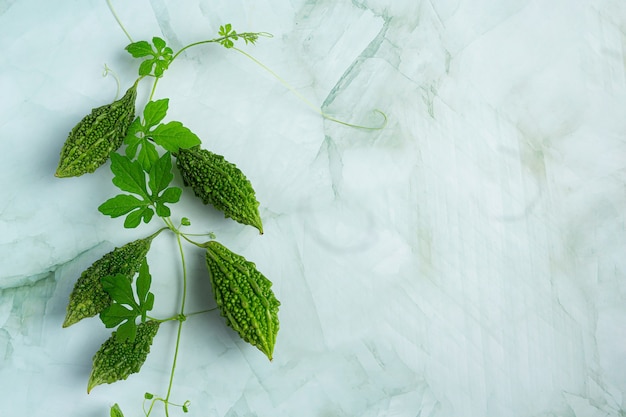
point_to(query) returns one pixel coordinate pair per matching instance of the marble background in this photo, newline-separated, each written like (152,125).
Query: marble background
(467,260)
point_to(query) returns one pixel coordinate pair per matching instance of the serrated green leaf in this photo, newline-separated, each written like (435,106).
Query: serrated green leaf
(116,314)
(174,136)
(120,290)
(160,174)
(154,112)
(159,68)
(149,303)
(133,219)
(158,43)
(147,214)
(129,175)
(140,49)
(116,411)
(127,331)
(162,210)
(143,282)
(145,68)
(171,195)
(148,155)
(120,205)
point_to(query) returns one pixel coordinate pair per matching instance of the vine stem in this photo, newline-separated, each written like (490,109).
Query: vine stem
(119,22)
(180,322)
(306,101)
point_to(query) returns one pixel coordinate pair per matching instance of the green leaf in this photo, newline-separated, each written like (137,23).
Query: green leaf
(143,282)
(162,210)
(140,49)
(174,136)
(148,155)
(154,112)
(129,175)
(116,411)
(119,288)
(145,68)
(134,219)
(120,205)
(160,174)
(160,67)
(171,195)
(116,314)
(127,331)
(158,43)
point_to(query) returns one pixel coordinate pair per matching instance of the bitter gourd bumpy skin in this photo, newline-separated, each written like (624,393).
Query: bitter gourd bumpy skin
(220,183)
(117,360)
(88,298)
(244,297)
(97,135)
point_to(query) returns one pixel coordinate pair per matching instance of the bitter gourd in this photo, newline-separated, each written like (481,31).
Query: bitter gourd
(220,183)
(116,360)
(97,135)
(244,297)
(88,298)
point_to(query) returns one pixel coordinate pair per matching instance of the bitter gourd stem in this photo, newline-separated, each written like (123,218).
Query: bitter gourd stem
(180,323)
(307,102)
(119,22)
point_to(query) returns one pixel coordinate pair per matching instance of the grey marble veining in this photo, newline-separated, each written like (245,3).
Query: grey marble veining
(466,260)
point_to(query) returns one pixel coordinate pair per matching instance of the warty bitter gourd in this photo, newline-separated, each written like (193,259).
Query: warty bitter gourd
(88,298)
(220,183)
(97,135)
(244,297)
(117,360)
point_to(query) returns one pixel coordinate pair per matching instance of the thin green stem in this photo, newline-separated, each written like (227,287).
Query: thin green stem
(119,22)
(154,86)
(307,102)
(180,323)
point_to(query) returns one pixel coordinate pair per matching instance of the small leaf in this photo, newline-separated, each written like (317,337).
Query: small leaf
(148,396)
(145,68)
(160,174)
(129,175)
(174,136)
(162,210)
(120,205)
(185,221)
(147,214)
(160,67)
(119,289)
(116,411)
(171,195)
(140,49)
(134,219)
(115,314)
(143,282)
(158,43)
(148,155)
(127,331)
(154,112)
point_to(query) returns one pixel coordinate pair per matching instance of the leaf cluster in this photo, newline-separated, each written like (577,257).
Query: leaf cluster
(130,176)
(125,309)
(144,134)
(159,56)
(228,35)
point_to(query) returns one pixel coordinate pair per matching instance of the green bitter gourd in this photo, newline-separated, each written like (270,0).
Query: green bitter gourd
(220,183)
(244,297)
(117,360)
(88,298)
(97,135)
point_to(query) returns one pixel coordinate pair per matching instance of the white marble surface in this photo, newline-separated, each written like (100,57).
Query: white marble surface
(467,260)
